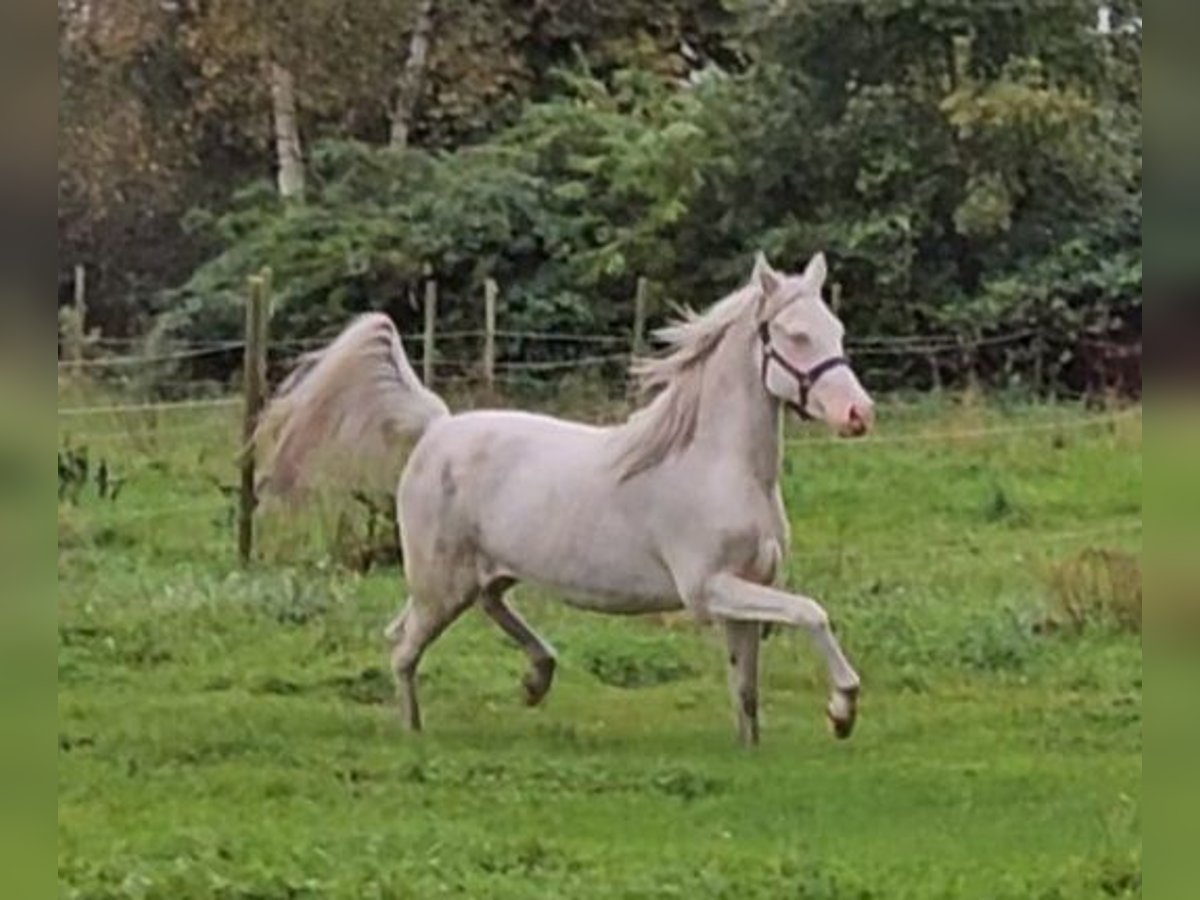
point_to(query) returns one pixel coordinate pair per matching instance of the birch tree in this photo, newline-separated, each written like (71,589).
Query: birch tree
(412,78)
(289,154)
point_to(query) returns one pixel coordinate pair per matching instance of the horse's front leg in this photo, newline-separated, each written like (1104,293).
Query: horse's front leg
(729,597)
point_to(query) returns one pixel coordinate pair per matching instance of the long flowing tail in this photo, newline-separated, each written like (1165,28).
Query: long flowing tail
(358,397)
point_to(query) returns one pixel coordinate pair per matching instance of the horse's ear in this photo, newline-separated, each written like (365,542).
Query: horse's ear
(816,271)
(764,277)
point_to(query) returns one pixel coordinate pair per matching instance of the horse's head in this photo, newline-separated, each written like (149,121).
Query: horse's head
(800,349)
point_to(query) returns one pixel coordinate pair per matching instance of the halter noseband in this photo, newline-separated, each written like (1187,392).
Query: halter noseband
(804,380)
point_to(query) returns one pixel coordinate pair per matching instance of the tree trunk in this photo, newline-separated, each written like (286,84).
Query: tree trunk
(288,151)
(411,80)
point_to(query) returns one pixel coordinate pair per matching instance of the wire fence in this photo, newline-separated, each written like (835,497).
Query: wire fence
(140,359)
(152,406)
(534,358)
(912,345)
(916,343)
(951,435)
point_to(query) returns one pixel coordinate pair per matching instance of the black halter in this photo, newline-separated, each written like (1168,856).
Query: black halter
(804,380)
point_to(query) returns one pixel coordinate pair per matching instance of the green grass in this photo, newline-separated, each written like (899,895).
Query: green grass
(230,734)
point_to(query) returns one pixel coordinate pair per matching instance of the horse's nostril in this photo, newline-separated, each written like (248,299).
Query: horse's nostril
(861,417)
(857,421)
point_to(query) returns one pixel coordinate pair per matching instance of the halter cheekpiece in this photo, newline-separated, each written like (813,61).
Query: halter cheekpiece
(804,379)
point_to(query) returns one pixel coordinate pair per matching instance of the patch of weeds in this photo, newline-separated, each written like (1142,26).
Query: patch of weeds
(283,687)
(1096,588)
(137,645)
(182,876)
(629,662)
(1112,874)
(685,784)
(913,680)
(68,743)
(372,686)
(995,643)
(110,538)
(567,735)
(1000,506)
(77,635)
(523,857)
(299,604)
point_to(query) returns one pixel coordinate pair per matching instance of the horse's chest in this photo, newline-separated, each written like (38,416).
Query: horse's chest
(754,547)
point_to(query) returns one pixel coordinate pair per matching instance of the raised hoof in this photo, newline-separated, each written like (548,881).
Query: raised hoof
(842,712)
(537,682)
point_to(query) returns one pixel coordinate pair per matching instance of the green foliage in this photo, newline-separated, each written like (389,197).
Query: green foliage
(950,157)
(564,209)
(969,169)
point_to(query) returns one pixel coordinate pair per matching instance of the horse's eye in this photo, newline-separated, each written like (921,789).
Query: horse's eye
(799,338)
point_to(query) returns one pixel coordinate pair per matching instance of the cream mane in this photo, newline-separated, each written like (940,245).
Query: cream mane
(668,423)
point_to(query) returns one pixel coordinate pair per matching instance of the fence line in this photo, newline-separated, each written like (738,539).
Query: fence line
(219,402)
(164,406)
(862,348)
(138,359)
(564,337)
(949,340)
(551,365)
(916,344)
(936,437)
(102,341)
(944,436)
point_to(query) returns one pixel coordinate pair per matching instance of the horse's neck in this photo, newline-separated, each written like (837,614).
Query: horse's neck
(738,419)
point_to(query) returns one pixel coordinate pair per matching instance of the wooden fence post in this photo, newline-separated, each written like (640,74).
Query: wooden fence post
(489,333)
(430,327)
(935,372)
(641,300)
(79,325)
(1039,362)
(254,381)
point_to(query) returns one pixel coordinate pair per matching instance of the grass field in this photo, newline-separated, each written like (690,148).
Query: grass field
(229,733)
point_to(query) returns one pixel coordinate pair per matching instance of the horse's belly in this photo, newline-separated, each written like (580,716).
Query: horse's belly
(591,556)
(603,581)
(619,604)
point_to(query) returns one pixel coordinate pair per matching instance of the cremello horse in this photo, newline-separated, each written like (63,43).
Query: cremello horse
(679,507)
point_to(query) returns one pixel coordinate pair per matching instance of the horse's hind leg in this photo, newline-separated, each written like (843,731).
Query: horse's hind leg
(417,626)
(542,659)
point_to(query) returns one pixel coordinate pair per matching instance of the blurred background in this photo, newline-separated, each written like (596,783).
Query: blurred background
(974,171)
